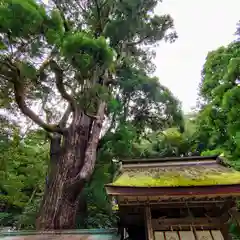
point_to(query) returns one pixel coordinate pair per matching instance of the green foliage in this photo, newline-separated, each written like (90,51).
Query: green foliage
(99,210)
(84,52)
(27,19)
(218,120)
(168,143)
(27,218)
(21,18)
(135,19)
(114,105)
(217,123)
(146,101)
(54,28)
(22,174)
(234,230)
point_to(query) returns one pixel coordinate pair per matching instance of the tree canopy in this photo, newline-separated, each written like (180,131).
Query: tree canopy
(219,117)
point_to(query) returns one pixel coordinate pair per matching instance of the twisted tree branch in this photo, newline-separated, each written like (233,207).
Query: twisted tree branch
(62,123)
(14,74)
(59,83)
(19,93)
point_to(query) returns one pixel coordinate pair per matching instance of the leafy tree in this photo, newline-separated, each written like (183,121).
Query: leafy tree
(167,143)
(22,173)
(218,122)
(74,56)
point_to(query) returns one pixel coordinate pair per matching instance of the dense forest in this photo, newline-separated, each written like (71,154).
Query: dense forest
(77,91)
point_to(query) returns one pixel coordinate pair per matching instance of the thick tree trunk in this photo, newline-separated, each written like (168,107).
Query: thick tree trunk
(75,164)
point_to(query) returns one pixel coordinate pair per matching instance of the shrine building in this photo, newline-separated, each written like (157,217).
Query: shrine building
(187,198)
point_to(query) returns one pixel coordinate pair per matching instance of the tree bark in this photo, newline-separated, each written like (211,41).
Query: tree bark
(74,166)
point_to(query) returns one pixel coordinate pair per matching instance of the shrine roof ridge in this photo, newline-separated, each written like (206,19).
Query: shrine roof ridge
(184,159)
(176,172)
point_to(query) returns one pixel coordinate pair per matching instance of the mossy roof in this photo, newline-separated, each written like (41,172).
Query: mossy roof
(177,176)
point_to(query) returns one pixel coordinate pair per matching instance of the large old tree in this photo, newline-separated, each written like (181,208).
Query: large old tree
(78,56)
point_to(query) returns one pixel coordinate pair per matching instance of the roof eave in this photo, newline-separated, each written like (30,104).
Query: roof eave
(226,190)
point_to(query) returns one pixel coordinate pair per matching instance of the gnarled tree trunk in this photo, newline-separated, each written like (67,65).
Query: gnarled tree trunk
(75,164)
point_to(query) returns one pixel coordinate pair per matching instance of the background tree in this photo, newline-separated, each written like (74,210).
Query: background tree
(23,162)
(218,121)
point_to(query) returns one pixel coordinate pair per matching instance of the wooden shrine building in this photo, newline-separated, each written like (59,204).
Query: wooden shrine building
(188,198)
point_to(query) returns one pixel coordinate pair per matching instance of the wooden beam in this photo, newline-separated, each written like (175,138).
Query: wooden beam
(148,223)
(211,191)
(185,221)
(172,204)
(187,227)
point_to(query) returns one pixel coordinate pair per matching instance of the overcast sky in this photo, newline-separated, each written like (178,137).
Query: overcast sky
(202,26)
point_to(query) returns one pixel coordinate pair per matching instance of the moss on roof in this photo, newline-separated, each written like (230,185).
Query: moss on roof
(178,176)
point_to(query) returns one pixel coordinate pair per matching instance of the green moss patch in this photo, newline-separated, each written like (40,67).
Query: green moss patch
(178,176)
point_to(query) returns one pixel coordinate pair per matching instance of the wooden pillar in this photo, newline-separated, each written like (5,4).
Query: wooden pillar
(148,223)
(225,231)
(225,225)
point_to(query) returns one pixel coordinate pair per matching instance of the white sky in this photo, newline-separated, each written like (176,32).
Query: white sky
(202,26)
